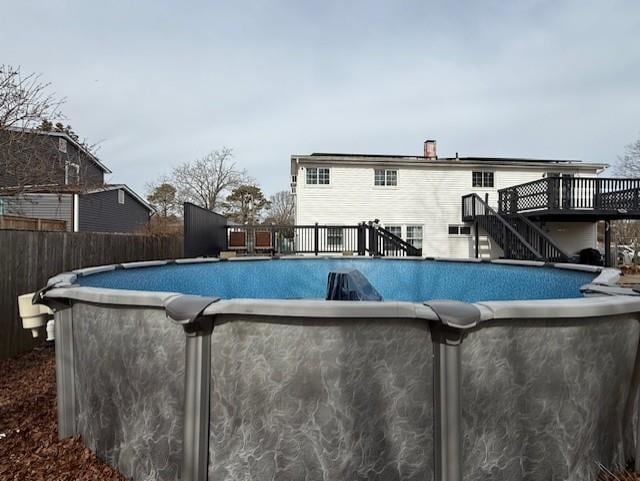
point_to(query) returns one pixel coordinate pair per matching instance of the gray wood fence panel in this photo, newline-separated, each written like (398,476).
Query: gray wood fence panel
(29,258)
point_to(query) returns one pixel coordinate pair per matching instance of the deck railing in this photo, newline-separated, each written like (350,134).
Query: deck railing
(571,193)
(361,239)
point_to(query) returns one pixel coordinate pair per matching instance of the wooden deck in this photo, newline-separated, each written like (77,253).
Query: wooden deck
(586,199)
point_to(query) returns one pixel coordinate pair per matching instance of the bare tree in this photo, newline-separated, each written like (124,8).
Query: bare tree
(629,162)
(282,209)
(26,104)
(25,100)
(206,181)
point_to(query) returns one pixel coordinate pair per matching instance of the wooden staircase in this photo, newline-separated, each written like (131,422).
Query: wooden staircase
(517,236)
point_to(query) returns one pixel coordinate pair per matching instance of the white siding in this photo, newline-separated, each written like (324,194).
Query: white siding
(572,236)
(426,195)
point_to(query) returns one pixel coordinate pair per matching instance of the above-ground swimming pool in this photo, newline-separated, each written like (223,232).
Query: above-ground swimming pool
(234,370)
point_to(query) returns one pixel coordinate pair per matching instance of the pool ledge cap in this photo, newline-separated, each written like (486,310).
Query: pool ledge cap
(187,310)
(456,314)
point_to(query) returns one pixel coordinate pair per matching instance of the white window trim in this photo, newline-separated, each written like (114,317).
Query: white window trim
(385,185)
(317,184)
(121,196)
(483,187)
(459,234)
(406,238)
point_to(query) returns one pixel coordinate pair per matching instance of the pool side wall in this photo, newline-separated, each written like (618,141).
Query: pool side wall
(345,396)
(545,399)
(129,388)
(321,399)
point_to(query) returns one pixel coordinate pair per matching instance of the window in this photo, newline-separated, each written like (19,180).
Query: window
(62,145)
(414,236)
(395,230)
(323,176)
(385,177)
(334,237)
(482,179)
(312,175)
(316,175)
(459,230)
(120,196)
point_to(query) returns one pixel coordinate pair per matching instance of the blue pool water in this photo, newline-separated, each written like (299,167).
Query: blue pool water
(401,280)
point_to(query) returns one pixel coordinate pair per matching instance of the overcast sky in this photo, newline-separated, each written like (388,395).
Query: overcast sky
(160,82)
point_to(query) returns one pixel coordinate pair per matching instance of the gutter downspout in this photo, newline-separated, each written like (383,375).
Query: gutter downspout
(76,213)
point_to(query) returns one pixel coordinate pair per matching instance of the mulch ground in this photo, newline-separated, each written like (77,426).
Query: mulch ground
(29,446)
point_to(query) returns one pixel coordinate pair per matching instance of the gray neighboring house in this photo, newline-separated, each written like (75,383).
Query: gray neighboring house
(39,157)
(107,208)
(61,179)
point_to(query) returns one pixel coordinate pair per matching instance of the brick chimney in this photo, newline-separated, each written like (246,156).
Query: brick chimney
(430,149)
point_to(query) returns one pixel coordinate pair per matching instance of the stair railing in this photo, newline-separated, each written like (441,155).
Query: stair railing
(513,244)
(383,242)
(538,238)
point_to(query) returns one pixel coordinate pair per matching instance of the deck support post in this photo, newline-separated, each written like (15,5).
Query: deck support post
(607,243)
(316,239)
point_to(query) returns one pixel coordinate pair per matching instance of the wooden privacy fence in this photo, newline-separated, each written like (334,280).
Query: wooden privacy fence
(28,259)
(15,222)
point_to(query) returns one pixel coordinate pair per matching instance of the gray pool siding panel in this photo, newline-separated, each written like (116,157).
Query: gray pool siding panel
(322,401)
(129,367)
(101,212)
(545,400)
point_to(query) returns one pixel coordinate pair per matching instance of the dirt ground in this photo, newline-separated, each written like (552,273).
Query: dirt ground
(29,446)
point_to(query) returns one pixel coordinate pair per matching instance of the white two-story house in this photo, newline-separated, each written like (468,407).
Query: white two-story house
(419,198)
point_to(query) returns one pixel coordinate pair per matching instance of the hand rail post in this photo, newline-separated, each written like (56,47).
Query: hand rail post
(506,242)
(477,235)
(552,192)
(607,243)
(373,241)
(316,238)
(360,239)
